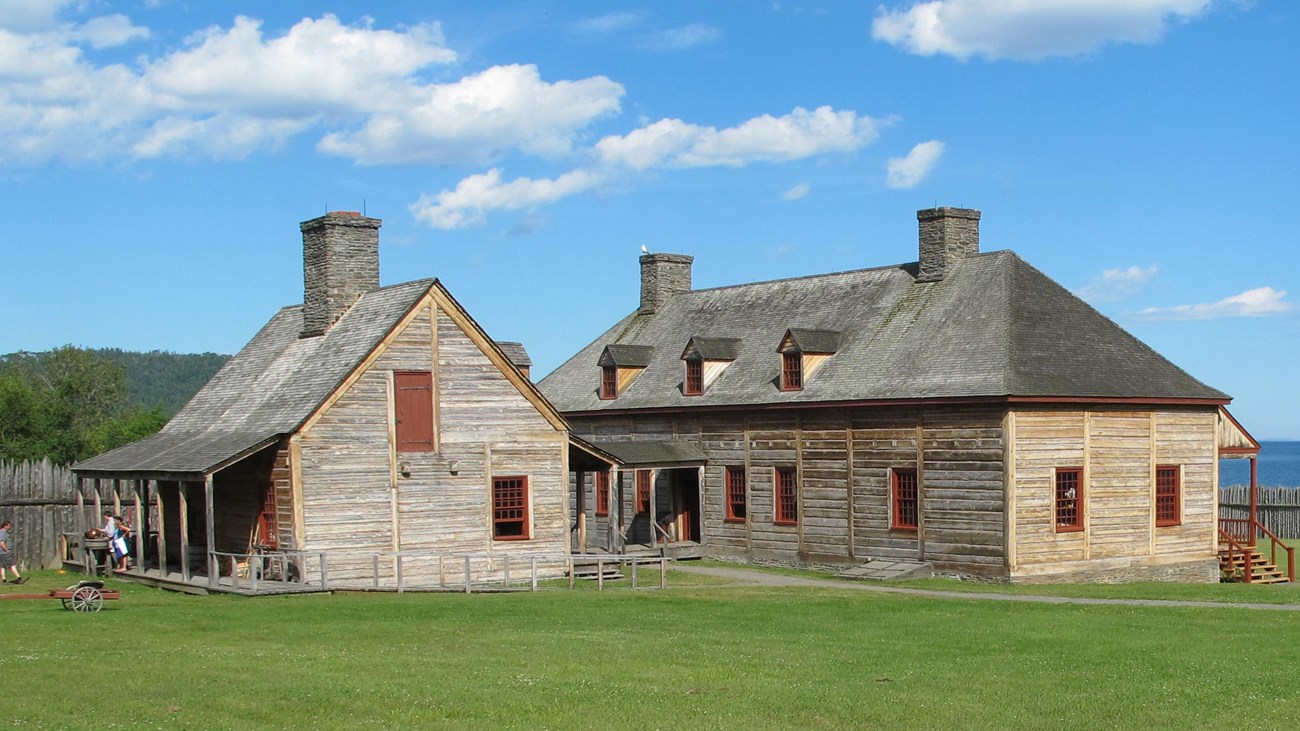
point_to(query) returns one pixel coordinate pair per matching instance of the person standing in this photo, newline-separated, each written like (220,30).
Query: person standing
(7,555)
(121,549)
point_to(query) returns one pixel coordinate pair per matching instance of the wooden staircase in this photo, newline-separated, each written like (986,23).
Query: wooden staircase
(1232,565)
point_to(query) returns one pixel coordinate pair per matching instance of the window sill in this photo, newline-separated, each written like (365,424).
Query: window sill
(1168,524)
(1069,529)
(785,522)
(739,521)
(512,538)
(904,529)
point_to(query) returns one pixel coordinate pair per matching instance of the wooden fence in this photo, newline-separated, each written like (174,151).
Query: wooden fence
(41,498)
(1279,507)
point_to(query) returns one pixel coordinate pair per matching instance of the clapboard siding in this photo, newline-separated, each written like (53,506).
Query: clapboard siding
(354,482)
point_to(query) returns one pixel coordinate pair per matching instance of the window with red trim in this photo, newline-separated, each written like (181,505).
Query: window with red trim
(643,491)
(1167,498)
(1069,499)
(608,382)
(736,504)
(787,497)
(602,493)
(694,385)
(905,499)
(791,371)
(413,410)
(510,508)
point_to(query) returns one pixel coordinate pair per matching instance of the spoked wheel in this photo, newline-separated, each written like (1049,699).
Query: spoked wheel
(87,599)
(67,603)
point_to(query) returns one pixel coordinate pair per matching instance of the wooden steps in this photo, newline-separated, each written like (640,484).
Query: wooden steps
(1232,564)
(591,570)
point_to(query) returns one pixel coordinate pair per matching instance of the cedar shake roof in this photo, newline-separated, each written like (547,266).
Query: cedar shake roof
(627,356)
(268,389)
(516,353)
(712,348)
(994,326)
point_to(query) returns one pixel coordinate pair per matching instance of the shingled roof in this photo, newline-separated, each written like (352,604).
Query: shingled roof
(268,389)
(994,326)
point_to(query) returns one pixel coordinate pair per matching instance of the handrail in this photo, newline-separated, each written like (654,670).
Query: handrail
(1246,555)
(1290,551)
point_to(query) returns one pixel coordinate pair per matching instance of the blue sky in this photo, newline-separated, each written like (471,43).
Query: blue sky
(157,157)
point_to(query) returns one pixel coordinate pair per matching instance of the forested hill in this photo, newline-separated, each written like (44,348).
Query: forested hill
(164,379)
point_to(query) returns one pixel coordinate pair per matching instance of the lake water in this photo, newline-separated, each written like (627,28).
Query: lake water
(1279,464)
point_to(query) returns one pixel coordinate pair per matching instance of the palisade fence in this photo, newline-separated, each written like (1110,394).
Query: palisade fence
(1279,507)
(41,500)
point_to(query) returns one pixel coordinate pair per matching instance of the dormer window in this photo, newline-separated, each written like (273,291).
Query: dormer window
(791,371)
(608,382)
(803,352)
(694,385)
(619,367)
(705,359)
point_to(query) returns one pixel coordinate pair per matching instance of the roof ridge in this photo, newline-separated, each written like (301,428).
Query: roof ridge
(904,266)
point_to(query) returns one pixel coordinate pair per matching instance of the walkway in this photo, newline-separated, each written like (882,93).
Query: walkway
(751,577)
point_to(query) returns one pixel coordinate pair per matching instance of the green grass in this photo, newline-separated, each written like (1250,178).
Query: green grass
(705,657)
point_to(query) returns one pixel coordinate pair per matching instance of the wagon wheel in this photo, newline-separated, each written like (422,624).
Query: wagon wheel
(87,599)
(67,603)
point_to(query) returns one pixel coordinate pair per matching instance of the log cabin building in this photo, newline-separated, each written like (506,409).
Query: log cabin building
(367,421)
(963,413)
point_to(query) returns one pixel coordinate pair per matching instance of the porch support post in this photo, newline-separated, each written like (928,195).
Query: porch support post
(210,529)
(141,523)
(653,513)
(162,529)
(580,480)
(183,508)
(1254,497)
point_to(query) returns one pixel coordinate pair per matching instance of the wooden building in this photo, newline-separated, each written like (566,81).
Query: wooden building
(366,423)
(962,412)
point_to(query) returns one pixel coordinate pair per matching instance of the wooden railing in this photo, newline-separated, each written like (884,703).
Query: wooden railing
(1242,540)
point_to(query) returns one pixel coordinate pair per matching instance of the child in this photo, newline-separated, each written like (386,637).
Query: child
(120,550)
(7,555)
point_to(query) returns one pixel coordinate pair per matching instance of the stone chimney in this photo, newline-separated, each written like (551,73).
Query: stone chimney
(662,276)
(947,235)
(340,262)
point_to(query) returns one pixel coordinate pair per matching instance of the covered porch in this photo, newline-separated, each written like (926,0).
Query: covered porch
(645,498)
(1240,557)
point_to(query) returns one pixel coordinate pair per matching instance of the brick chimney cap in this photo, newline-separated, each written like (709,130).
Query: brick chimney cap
(929,214)
(349,214)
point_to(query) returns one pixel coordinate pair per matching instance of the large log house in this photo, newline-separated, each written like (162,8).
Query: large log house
(963,412)
(367,422)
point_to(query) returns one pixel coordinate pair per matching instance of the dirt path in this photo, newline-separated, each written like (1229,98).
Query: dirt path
(750,577)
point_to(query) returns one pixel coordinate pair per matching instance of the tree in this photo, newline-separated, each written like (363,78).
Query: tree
(67,404)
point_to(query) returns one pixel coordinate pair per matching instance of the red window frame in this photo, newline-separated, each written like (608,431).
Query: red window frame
(413,410)
(602,494)
(905,496)
(1067,505)
(694,383)
(608,382)
(510,508)
(736,505)
(643,491)
(268,522)
(791,371)
(1168,495)
(787,496)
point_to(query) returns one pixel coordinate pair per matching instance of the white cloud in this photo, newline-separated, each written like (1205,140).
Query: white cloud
(680,39)
(609,23)
(466,204)
(479,117)
(26,16)
(1258,302)
(107,31)
(909,171)
(799,191)
(1118,283)
(1027,29)
(799,134)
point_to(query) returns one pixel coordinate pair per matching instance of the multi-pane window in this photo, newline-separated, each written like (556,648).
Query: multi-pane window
(602,493)
(413,410)
(1069,499)
(1167,498)
(904,494)
(787,497)
(643,491)
(735,495)
(608,382)
(694,385)
(510,508)
(791,371)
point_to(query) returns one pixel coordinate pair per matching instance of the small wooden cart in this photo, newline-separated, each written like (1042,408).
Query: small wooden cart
(85,596)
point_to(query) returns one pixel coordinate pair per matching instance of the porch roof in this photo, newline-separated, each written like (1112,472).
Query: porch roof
(655,454)
(1234,440)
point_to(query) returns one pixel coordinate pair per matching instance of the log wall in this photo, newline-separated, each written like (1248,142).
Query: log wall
(843,460)
(360,496)
(1118,451)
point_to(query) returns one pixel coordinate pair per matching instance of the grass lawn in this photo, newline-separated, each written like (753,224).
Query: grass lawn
(700,656)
